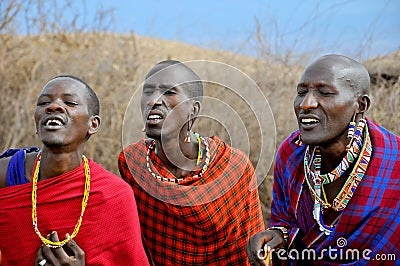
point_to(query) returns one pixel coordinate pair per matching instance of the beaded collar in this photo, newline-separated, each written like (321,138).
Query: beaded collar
(351,155)
(355,177)
(202,159)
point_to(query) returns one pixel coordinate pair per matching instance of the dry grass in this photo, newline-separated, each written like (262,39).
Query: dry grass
(114,65)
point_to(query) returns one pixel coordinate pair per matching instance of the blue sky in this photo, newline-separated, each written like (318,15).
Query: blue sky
(359,28)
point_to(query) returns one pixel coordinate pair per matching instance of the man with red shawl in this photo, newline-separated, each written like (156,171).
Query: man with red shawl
(196,199)
(336,179)
(53,196)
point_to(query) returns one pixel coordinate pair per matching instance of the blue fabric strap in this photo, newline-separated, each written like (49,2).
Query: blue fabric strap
(16,166)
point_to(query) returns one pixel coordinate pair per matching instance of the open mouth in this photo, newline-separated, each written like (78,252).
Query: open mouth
(309,123)
(54,123)
(154,118)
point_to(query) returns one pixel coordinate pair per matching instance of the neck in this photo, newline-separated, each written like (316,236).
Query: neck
(333,153)
(178,155)
(54,164)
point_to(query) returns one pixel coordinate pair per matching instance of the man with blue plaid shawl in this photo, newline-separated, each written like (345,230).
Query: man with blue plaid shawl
(336,179)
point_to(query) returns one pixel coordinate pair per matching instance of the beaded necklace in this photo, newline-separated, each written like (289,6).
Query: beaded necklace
(351,155)
(35,176)
(345,194)
(200,158)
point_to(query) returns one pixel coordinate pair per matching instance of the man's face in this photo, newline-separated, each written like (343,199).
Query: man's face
(61,115)
(325,104)
(165,104)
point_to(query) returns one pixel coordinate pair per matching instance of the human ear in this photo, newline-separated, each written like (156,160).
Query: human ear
(94,124)
(364,103)
(196,108)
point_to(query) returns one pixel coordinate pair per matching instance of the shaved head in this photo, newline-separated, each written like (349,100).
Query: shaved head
(188,78)
(350,71)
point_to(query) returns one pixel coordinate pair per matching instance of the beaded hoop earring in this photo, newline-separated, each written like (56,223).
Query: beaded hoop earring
(352,126)
(355,134)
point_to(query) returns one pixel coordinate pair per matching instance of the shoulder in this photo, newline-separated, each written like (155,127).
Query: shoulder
(224,148)
(98,172)
(107,181)
(289,152)
(110,192)
(385,149)
(133,150)
(380,136)
(289,145)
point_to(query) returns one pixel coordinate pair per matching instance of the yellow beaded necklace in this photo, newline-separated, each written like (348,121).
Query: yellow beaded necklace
(35,176)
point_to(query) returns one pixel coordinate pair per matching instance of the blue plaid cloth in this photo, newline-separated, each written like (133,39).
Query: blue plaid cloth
(371,221)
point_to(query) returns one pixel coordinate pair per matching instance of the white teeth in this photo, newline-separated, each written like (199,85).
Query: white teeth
(53,122)
(309,120)
(155,117)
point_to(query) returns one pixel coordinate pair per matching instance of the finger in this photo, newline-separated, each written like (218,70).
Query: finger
(248,249)
(249,252)
(39,256)
(61,255)
(276,242)
(48,255)
(254,261)
(79,254)
(253,247)
(259,242)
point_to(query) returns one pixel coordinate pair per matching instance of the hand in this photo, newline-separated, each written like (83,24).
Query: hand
(266,241)
(70,254)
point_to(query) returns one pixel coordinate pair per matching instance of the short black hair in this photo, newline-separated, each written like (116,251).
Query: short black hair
(94,102)
(194,85)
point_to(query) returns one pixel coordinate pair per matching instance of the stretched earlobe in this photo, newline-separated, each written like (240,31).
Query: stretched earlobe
(189,130)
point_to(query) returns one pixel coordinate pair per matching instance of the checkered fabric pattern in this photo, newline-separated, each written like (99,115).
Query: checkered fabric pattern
(371,220)
(201,221)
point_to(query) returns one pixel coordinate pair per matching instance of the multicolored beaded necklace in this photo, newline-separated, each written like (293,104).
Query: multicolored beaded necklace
(351,155)
(202,159)
(35,176)
(358,149)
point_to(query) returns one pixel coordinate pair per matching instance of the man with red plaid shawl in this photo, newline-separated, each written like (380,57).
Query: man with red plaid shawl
(195,199)
(336,188)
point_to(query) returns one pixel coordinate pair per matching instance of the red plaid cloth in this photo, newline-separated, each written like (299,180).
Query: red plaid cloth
(109,234)
(201,221)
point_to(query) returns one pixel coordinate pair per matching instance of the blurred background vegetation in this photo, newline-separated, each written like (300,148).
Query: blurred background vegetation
(115,65)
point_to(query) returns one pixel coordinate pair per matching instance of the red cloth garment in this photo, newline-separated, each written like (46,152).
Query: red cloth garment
(199,221)
(109,234)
